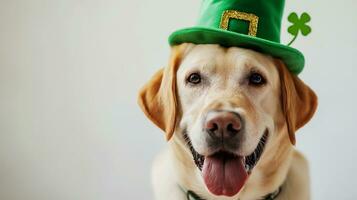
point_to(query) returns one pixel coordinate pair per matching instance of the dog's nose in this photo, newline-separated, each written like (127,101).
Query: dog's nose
(222,124)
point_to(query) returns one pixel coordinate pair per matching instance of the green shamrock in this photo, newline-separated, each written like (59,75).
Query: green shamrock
(298,24)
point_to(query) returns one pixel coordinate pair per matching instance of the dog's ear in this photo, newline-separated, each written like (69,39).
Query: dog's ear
(158,98)
(299,102)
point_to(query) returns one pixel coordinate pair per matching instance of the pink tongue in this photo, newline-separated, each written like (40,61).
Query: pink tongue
(224,177)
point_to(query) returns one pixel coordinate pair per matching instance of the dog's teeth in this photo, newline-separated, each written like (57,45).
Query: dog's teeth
(246,168)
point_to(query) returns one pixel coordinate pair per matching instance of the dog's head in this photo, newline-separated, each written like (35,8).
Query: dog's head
(228,106)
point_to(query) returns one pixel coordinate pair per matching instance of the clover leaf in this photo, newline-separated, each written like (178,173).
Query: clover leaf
(299,25)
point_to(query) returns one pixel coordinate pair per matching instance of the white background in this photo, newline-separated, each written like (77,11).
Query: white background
(70,128)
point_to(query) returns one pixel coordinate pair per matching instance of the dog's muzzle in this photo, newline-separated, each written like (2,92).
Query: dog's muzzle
(224,171)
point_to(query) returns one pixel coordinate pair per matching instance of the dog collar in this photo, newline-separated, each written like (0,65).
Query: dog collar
(190,195)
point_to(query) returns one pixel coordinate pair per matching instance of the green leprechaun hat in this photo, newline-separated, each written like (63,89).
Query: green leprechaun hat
(253,24)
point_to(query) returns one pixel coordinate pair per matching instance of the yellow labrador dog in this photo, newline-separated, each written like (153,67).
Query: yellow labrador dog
(230,115)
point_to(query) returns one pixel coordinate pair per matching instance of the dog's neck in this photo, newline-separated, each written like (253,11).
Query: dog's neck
(264,179)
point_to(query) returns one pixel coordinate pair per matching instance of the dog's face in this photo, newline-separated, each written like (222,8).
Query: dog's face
(226,105)
(229,100)
(234,91)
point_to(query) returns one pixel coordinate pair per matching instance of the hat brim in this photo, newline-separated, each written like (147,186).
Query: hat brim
(293,58)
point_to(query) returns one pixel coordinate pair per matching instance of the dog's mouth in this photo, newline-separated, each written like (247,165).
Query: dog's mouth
(224,172)
(249,161)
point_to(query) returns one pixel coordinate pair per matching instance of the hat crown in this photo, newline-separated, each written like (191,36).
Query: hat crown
(251,24)
(259,18)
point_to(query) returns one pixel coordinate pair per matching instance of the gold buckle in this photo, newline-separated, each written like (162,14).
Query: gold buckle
(233,14)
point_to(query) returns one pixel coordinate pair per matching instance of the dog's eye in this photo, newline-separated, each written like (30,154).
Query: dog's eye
(194,78)
(256,79)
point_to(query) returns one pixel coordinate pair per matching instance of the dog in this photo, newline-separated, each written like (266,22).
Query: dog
(230,117)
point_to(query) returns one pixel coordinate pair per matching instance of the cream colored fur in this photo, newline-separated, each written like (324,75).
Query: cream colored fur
(226,71)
